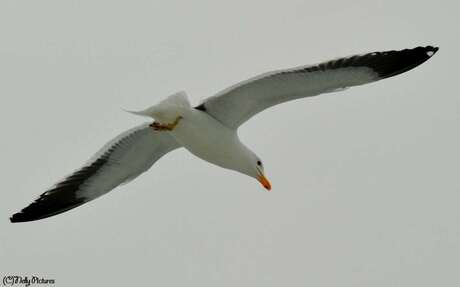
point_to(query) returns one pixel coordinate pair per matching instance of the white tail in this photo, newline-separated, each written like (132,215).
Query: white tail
(167,109)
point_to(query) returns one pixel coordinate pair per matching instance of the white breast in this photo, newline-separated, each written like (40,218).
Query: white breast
(208,139)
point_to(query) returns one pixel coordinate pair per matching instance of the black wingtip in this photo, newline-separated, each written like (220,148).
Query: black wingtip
(62,197)
(25,216)
(384,64)
(392,63)
(432,49)
(46,206)
(18,217)
(21,217)
(428,50)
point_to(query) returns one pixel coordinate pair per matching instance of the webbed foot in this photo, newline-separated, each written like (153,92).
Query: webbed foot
(165,127)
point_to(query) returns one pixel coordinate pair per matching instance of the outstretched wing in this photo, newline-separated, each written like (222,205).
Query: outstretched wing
(238,103)
(122,159)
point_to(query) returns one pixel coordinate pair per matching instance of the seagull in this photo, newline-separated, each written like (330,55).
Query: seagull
(209,130)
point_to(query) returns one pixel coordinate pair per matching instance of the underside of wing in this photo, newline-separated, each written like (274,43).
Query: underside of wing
(238,103)
(122,159)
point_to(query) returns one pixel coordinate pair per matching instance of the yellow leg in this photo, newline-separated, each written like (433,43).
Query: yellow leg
(166,127)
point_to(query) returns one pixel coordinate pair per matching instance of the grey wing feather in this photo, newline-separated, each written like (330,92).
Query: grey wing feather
(122,159)
(235,105)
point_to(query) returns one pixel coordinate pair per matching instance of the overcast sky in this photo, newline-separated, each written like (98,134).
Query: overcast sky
(366,190)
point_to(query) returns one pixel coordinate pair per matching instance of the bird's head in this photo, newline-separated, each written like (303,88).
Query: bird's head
(252,166)
(260,175)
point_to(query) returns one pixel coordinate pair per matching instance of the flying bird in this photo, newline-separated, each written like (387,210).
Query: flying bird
(209,130)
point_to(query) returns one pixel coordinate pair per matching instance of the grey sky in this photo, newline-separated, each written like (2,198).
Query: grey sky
(365,182)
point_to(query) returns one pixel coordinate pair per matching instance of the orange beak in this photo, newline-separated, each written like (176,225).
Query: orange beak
(264,181)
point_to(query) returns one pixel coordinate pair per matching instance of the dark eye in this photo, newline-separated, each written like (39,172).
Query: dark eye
(259,163)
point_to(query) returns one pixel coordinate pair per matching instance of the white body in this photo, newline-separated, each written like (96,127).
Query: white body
(208,139)
(200,133)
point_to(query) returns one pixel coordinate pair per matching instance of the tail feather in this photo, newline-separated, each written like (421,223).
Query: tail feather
(168,109)
(144,113)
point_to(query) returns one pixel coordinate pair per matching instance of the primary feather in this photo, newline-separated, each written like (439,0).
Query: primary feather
(122,159)
(237,104)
